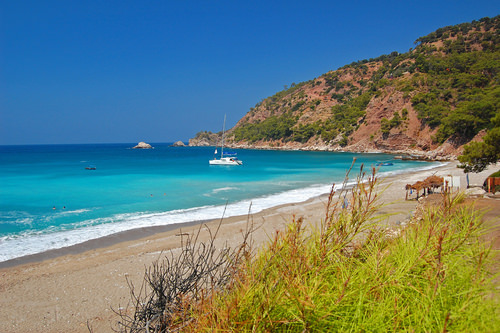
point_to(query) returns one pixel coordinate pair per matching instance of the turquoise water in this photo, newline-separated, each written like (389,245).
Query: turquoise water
(133,188)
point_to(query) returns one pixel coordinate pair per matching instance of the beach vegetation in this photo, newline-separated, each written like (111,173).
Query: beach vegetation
(345,274)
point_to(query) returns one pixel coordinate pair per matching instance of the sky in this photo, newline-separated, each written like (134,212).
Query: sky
(99,71)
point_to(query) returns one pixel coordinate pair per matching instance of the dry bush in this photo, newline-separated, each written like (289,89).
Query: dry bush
(177,282)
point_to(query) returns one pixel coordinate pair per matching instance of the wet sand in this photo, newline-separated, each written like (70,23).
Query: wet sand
(62,290)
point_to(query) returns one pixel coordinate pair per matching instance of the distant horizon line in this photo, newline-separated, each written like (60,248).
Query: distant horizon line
(89,143)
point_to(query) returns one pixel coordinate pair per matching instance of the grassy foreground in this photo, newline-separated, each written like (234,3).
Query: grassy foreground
(349,276)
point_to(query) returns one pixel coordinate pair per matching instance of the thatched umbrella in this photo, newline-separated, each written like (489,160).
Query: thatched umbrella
(431,182)
(418,186)
(434,182)
(408,187)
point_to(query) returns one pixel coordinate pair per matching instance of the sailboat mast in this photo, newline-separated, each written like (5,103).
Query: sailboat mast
(223,132)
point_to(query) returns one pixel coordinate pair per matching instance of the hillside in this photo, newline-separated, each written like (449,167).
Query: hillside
(428,101)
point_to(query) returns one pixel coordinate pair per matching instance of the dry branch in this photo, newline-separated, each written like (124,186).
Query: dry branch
(176,282)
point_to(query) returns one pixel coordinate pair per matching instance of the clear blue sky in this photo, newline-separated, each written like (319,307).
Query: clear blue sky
(160,71)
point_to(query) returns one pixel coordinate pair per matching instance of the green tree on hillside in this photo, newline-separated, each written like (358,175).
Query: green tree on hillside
(478,155)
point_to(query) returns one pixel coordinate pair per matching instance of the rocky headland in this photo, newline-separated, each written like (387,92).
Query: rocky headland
(427,103)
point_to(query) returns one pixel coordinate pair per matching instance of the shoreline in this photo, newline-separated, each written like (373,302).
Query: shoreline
(436,155)
(136,234)
(68,291)
(96,243)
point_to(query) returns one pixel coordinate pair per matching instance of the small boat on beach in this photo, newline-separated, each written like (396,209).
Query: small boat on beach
(225,158)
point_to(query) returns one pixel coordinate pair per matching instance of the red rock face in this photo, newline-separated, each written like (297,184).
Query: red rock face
(411,136)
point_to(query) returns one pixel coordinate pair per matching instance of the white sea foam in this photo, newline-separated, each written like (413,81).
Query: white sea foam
(18,217)
(36,242)
(73,212)
(223,189)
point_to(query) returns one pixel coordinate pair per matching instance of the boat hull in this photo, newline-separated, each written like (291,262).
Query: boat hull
(225,161)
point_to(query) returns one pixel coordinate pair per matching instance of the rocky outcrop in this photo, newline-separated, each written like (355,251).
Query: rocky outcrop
(143,145)
(178,144)
(199,143)
(203,139)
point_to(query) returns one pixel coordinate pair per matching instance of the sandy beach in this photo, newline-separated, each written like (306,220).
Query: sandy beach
(62,290)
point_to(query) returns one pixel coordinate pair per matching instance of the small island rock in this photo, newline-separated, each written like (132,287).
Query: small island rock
(179,144)
(143,145)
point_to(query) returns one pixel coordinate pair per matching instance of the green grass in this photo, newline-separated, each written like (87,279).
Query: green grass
(347,276)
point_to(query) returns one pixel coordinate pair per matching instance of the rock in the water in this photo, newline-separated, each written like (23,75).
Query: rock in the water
(143,145)
(179,144)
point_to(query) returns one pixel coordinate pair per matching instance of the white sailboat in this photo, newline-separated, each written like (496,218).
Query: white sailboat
(229,158)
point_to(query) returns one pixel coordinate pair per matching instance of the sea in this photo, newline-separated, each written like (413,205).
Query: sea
(49,199)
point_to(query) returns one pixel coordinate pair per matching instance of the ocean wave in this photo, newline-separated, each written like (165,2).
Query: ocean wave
(17,217)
